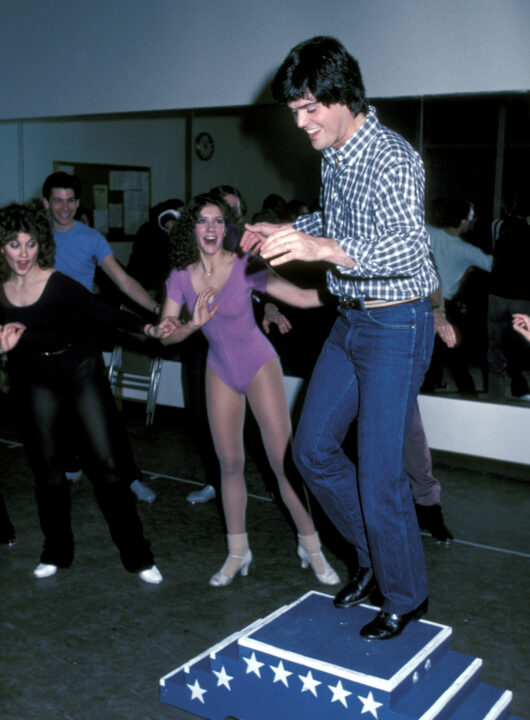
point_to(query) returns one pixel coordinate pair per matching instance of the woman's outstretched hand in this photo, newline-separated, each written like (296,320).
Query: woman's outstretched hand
(202,312)
(10,334)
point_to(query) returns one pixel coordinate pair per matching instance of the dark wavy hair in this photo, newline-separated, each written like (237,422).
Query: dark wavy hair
(183,250)
(31,219)
(448,211)
(322,66)
(224,190)
(61,180)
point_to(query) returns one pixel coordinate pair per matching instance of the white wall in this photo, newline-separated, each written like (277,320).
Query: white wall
(69,57)
(481,429)
(28,149)
(254,151)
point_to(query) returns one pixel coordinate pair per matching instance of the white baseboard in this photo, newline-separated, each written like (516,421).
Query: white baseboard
(482,429)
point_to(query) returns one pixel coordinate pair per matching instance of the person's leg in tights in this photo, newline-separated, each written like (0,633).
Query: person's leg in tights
(226,414)
(194,355)
(267,399)
(101,436)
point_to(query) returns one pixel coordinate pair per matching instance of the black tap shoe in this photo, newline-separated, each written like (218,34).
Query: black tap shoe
(386,626)
(357,590)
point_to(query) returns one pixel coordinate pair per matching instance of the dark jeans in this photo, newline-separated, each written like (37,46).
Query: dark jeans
(370,368)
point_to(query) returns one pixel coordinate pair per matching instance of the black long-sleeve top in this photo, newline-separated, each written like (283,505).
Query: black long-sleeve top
(65,316)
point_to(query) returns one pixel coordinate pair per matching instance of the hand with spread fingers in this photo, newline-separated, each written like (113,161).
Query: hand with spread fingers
(282,243)
(202,312)
(272,316)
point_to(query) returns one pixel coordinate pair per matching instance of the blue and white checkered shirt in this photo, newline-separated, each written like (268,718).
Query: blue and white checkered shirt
(372,201)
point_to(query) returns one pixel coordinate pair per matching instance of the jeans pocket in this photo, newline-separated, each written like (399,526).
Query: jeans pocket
(394,318)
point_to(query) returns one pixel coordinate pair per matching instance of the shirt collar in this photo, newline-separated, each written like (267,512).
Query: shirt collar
(356,144)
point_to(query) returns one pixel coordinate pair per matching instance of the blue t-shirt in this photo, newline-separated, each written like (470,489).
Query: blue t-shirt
(79,251)
(453,257)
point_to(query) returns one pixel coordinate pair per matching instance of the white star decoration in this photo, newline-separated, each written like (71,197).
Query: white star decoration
(369,704)
(339,693)
(309,683)
(223,678)
(253,665)
(196,691)
(280,673)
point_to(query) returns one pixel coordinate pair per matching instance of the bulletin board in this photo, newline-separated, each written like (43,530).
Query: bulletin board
(119,196)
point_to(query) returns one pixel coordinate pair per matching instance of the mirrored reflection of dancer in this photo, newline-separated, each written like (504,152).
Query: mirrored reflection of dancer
(47,323)
(216,285)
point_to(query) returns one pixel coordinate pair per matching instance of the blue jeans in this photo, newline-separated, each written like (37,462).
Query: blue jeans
(370,369)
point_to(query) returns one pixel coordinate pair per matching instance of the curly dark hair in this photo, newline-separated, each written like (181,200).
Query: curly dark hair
(31,219)
(323,66)
(224,190)
(183,250)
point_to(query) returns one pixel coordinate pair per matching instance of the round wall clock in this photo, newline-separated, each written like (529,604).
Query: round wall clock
(204,146)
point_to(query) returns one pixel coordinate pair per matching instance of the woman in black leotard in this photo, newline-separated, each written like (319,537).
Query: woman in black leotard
(56,376)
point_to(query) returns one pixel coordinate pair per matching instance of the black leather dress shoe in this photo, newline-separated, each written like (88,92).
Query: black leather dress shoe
(357,590)
(431,519)
(386,626)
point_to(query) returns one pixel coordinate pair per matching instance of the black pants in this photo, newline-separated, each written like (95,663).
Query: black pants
(71,388)
(6,526)
(507,350)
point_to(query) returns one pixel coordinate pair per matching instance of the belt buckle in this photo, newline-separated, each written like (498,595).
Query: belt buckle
(351,304)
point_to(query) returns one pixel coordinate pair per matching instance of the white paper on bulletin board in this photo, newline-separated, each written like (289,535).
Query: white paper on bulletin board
(101,221)
(115,215)
(135,210)
(129,180)
(100,194)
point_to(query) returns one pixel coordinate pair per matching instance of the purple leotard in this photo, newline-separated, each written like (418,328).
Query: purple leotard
(237,347)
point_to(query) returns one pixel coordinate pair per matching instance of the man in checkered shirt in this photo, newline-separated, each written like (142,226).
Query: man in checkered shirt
(370,231)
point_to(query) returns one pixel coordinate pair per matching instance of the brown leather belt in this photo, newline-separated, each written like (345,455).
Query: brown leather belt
(355,303)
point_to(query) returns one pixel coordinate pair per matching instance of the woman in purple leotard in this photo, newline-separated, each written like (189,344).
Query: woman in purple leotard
(217,285)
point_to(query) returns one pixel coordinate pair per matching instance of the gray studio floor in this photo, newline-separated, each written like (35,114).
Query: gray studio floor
(93,641)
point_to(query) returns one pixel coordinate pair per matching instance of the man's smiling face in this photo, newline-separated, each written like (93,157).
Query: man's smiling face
(326,126)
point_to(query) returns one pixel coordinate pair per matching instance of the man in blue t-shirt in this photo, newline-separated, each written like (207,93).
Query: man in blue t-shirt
(79,250)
